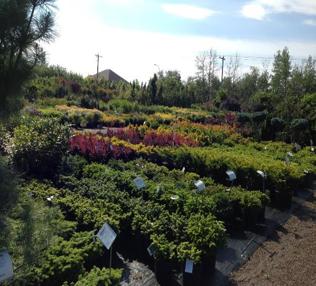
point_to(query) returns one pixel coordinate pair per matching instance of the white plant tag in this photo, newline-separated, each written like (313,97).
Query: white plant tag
(200,185)
(107,235)
(50,198)
(262,174)
(231,175)
(174,197)
(188,266)
(290,154)
(297,147)
(6,266)
(139,183)
(151,250)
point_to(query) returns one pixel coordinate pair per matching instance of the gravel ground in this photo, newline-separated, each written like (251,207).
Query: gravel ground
(288,257)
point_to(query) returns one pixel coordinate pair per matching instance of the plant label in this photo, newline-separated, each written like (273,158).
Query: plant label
(139,183)
(200,185)
(262,174)
(107,235)
(231,175)
(297,147)
(290,154)
(188,266)
(151,250)
(6,266)
(174,197)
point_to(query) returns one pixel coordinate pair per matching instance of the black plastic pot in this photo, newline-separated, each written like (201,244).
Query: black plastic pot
(281,199)
(309,179)
(164,271)
(262,215)
(253,216)
(202,272)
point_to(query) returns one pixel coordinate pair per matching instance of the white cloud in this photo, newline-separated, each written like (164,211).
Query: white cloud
(187,11)
(124,2)
(254,11)
(132,53)
(310,22)
(258,9)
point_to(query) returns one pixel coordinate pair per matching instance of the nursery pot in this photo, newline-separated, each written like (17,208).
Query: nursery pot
(281,199)
(202,272)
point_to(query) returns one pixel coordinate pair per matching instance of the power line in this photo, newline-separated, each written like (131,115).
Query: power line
(263,57)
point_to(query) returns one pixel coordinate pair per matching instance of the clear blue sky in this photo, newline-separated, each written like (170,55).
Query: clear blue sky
(134,35)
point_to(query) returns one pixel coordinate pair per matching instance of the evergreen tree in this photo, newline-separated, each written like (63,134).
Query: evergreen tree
(152,89)
(23,24)
(309,75)
(280,80)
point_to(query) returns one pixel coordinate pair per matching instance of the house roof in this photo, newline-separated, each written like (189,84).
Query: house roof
(109,75)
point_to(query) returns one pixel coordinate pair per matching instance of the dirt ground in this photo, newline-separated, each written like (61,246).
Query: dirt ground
(288,257)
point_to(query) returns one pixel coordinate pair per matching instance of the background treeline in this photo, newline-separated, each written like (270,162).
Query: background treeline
(277,104)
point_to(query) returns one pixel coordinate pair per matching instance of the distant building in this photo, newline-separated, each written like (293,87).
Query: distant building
(109,75)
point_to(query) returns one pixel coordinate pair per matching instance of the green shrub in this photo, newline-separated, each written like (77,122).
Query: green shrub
(98,277)
(299,124)
(73,165)
(259,116)
(65,260)
(84,119)
(39,145)
(300,131)
(8,198)
(87,101)
(277,124)
(244,118)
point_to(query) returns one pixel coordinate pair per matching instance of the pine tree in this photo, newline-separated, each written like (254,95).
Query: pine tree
(280,80)
(23,25)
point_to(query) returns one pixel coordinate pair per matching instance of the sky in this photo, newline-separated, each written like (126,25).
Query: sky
(137,38)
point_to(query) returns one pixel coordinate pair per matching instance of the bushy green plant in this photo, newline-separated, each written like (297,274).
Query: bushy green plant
(8,197)
(65,260)
(73,165)
(300,130)
(98,277)
(206,232)
(244,118)
(277,124)
(39,145)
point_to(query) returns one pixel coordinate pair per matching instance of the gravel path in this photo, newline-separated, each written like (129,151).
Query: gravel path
(137,274)
(288,257)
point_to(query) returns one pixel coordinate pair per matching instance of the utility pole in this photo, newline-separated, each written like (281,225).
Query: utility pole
(223,60)
(98,62)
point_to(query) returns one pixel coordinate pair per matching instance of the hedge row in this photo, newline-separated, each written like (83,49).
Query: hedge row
(210,162)
(109,194)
